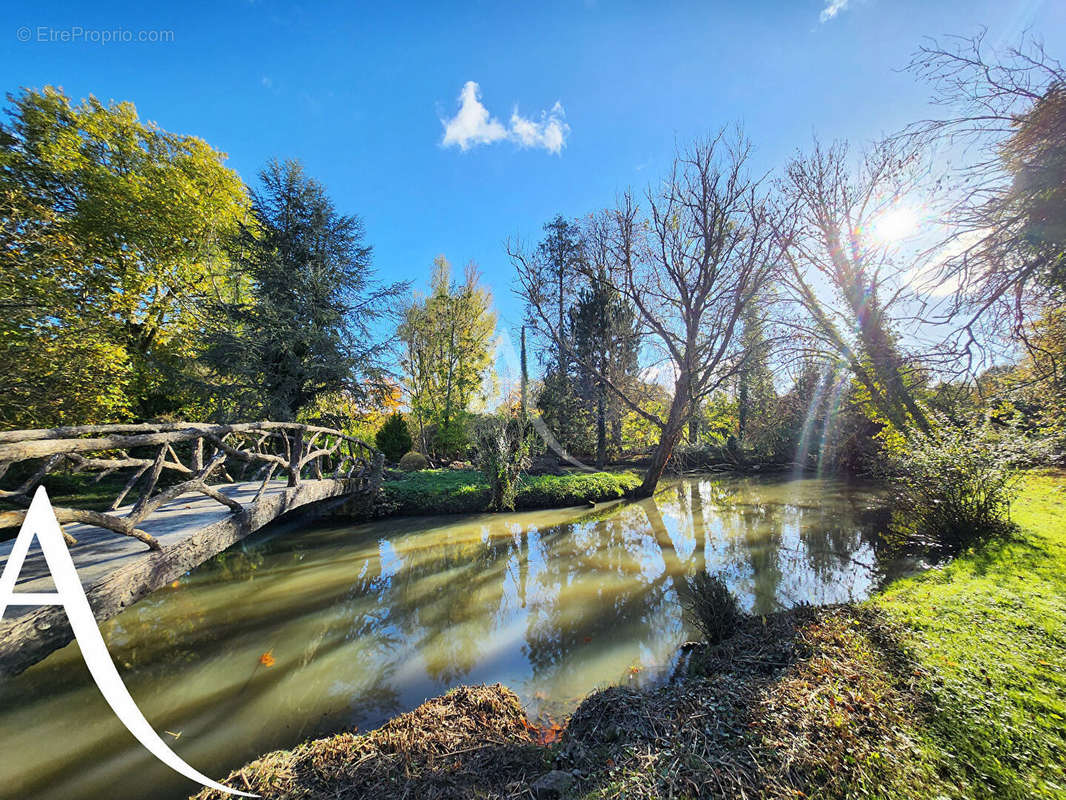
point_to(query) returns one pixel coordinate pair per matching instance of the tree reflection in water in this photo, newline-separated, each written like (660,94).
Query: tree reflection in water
(364,622)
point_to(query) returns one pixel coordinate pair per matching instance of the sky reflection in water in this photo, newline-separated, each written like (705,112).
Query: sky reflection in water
(364,622)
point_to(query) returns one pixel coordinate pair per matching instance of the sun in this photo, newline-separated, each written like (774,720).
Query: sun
(895,224)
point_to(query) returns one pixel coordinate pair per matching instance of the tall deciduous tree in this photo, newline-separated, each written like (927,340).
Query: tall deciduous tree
(447,338)
(702,253)
(824,229)
(306,327)
(1005,245)
(112,239)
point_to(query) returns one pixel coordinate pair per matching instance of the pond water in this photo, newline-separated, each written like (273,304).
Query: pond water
(301,631)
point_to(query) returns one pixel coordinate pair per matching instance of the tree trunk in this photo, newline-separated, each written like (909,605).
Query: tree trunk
(671,435)
(742,406)
(601,427)
(886,362)
(694,425)
(525,378)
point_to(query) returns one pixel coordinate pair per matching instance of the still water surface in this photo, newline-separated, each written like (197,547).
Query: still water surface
(306,630)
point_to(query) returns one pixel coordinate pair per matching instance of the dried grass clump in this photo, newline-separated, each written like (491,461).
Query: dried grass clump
(474,741)
(798,704)
(684,740)
(710,607)
(760,645)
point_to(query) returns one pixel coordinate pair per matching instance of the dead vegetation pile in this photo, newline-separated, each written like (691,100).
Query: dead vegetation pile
(474,741)
(841,722)
(797,704)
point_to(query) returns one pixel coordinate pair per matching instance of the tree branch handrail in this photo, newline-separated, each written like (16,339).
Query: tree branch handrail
(264,447)
(15,447)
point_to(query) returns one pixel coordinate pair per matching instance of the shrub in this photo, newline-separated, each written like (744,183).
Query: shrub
(413,461)
(450,441)
(503,452)
(559,491)
(393,438)
(698,456)
(710,607)
(438,491)
(956,484)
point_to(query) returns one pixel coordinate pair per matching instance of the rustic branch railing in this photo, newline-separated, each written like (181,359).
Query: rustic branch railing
(149,452)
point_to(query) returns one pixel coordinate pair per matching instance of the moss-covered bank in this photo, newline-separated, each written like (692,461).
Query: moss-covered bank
(446,491)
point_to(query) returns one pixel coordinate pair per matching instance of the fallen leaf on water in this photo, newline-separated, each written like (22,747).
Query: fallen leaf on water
(267,659)
(174,585)
(550,734)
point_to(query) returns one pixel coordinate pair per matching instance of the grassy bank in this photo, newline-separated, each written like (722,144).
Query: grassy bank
(989,631)
(445,491)
(950,684)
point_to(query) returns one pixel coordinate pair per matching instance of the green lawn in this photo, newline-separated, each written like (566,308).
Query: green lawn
(990,631)
(444,491)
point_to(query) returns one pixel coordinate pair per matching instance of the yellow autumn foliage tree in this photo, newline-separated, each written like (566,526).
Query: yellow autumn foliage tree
(113,237)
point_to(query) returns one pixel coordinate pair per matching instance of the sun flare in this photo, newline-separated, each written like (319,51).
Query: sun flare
(895,224)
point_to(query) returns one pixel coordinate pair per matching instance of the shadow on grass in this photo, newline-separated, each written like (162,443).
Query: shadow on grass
(983,654)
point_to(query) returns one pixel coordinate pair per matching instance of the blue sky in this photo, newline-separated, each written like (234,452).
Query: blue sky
(358,92)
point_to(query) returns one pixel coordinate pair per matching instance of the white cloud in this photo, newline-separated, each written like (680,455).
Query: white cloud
(832,8)
(473,125)
(932,278)
(550,132)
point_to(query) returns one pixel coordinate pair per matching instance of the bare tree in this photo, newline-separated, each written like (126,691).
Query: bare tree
(1003,140)
(688,266)
(849,281)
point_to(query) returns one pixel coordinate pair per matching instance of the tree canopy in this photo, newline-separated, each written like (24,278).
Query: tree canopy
(114,235)
(447,339)
(304,325)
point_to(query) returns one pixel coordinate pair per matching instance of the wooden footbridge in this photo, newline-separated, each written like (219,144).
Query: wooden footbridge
(195,489)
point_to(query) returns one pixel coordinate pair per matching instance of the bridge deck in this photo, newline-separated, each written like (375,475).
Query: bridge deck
(118,570)
(99,552)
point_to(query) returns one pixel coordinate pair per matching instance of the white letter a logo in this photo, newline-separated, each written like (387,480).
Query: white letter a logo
(41,521)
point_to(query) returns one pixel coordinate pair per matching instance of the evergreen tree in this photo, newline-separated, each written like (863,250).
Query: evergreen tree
(756,396)
(524,379)
(305,328)
(393,438)
(558,264)
(605,342)
(561,258)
